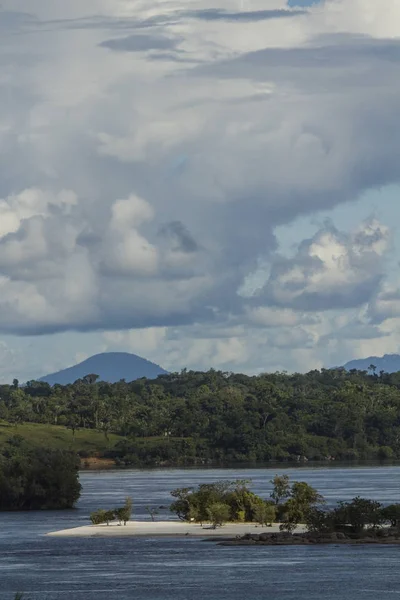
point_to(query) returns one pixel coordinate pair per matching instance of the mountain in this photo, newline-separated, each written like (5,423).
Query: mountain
(110,366)
(390,363)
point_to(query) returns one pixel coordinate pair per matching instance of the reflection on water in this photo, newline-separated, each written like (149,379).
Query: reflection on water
(160,569)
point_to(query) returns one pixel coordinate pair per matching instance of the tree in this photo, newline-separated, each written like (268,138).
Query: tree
(218,514)
(319,521)
(182,505)
(124,513)
(281,489)
(153,512)
(98,516)
(391,514)
(265,513)
(91,378)
(39,478)
(305,495)
(303,499)
(359,513)
(293,516)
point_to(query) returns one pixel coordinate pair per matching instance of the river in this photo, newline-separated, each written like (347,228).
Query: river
(190,569)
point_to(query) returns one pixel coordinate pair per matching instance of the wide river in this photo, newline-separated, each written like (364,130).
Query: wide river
(190,569)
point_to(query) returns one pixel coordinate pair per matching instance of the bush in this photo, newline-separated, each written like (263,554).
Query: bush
(391,514)
(265,513)
(358,513)
(218,514)
(98,516)
(123,514)
(193,504)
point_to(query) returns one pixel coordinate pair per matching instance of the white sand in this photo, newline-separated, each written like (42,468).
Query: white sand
(165,528)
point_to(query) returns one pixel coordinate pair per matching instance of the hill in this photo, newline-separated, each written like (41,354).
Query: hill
(110,366)
(40,435)
(389,363)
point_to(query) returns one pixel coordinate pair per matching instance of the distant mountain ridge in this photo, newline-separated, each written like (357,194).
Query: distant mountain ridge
(390,363)
(110,366)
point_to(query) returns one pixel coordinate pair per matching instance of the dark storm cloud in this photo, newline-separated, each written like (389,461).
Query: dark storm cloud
(216,14)
(140,43)
(181,236)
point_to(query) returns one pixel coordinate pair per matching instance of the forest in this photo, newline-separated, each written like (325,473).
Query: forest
(218,417)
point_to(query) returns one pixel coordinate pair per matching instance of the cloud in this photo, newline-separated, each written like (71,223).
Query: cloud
(332,270)
(267,316)
(142,193)
(140,43)
(177,231)
(248,16)
(385,305)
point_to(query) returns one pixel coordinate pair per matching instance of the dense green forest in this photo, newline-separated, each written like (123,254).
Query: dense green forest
(39,478)
(198,418)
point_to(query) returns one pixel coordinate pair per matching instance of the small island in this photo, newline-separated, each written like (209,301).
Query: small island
(294,514)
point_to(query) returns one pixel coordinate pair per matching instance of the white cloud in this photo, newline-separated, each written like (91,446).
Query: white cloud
(150,149)
(332,270)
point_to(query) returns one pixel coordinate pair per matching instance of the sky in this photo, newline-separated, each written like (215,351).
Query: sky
(209,183)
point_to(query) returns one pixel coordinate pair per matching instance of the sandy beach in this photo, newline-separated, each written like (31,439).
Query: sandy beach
(165,528)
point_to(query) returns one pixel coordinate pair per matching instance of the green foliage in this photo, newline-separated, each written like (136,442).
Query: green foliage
(391,515)
(294,514)
(109,515)
(56,437)
(355,516)
(183,506)
(304,495)
(281,489)
(193,504)
(241,516)
(125,512)
(218,513)
(318,520)
(302,500)
(122,514)
(265,513)
(358,513)
(98,516)
(196,418)
(39,478)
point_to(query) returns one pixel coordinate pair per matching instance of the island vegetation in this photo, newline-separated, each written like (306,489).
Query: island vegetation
(122,514)
(213,417)
(37,478)
(290,505)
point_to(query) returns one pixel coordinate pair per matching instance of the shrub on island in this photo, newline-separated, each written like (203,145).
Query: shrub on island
(122,514)
(220,502)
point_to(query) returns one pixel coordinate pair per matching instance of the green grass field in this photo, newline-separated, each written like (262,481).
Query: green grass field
(52,436)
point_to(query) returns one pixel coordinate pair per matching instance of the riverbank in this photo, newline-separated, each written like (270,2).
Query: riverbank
(165,528)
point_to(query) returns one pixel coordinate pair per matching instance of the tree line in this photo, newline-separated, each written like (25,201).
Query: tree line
(195,417)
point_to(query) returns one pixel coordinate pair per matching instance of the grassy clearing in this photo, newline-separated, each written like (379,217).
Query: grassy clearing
(52,436)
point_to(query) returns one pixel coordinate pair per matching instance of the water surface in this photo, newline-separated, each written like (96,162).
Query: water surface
(191,569)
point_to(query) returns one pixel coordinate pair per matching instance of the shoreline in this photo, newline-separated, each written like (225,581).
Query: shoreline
(381,537)
(166,529)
